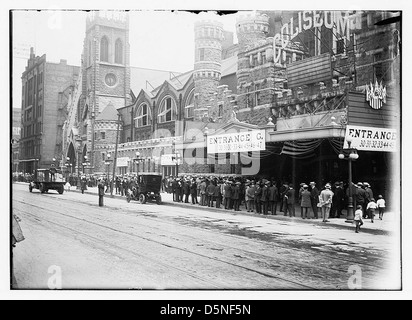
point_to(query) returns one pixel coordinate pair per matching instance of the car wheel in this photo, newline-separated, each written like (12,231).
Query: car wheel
(159,199)
(142,198)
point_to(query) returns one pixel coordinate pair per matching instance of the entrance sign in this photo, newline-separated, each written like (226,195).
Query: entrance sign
(253,140)
(167,160)
(341,21)
(122,162)
(371,139)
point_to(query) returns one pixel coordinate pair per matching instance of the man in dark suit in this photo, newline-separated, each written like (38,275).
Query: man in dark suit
(314,198)
(290,195)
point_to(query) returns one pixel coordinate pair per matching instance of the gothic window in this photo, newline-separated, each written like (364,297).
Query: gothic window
(189,108)
(118,51)
(143,116)
(104,49)
(167,110)
(201,54)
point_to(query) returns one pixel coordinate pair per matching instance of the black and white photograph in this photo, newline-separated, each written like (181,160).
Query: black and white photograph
(206,151)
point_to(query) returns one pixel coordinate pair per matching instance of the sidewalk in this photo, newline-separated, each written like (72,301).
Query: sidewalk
(389,224)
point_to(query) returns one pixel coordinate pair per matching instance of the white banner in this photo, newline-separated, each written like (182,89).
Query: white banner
(371,139)
(122,162)
(254,140)
(167,160)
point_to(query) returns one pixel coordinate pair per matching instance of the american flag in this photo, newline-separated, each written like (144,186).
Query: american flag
(376,95)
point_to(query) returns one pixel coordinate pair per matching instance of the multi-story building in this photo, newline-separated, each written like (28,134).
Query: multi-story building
(42,113)
(300,81)
(15,138)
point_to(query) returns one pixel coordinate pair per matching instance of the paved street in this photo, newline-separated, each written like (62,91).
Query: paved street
(74,244)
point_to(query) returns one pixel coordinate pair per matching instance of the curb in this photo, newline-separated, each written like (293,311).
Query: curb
(346,226)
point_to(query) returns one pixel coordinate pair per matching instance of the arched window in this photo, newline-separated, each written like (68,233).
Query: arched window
(118,51)
(104,49)
(190,103)
(143,116)
(167,110)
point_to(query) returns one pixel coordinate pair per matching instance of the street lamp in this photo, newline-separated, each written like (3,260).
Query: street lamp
(137,160)
(176,158)
(85,163)
(350,154)
(68,165)
(205,133)
(107,162)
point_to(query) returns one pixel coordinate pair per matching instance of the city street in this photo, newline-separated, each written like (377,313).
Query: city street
(72,243)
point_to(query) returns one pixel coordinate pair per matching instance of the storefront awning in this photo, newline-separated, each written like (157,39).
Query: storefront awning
(307,133)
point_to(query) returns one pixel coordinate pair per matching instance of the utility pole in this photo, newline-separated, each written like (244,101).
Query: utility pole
(115,153)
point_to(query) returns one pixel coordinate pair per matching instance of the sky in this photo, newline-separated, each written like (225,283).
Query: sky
(159,39)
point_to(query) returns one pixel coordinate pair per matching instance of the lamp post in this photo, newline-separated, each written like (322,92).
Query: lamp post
(137,160)
(176,158)
(68,165)
(107,162)
(85,163)
(205,133)
(350,154)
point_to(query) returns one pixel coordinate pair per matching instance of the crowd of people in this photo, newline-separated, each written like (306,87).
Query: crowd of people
(260,196)
(267,196)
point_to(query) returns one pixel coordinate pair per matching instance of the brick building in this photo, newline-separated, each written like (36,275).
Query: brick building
(300,77)
(44,85)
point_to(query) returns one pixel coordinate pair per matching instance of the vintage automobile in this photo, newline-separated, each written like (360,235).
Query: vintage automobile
(47,179)
(147,188)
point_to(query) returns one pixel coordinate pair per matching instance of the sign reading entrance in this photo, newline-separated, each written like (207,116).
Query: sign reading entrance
(371,139)
(237,142)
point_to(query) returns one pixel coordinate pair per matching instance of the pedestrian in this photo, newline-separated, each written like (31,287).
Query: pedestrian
(360,197)
(67,186)
(236,196)
(264,199)
(305,203)
(100,187)
(358,218)
(218,194)
(273,198)
(283,200)
(326,201)
(210,191)
(338,200)
(83,184)
(258,197)
(314,198)
(250,197)
(193,191)
(381,206)
(290,201)
(228,195)
(371,207)
(186,190)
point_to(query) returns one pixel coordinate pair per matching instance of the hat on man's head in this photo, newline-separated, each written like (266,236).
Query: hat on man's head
(328,185)
(360,184)
(312,183)
(305,186)
(366,184)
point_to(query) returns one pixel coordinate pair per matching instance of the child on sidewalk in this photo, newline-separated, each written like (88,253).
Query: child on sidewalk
(381,206)
(370,208)
(358,218)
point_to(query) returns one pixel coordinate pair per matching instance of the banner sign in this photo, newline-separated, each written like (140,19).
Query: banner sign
(167,160)
(254,140)
(122,162)
(371,139)
(341,22)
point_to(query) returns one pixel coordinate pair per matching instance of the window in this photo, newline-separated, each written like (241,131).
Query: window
(102,135)
(189,108)
(257,95)
(220,111)
(201,54)
(143,116)
(90,54)
(167,111)
(104,49)
(118,51)
(340,46)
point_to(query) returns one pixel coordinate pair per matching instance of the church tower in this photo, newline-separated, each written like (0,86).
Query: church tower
(106,82)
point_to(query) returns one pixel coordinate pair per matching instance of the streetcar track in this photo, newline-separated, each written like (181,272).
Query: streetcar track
(315,248)
(265,274)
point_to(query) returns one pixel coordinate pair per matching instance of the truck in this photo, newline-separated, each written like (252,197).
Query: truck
(47,179)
